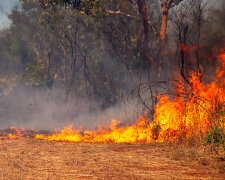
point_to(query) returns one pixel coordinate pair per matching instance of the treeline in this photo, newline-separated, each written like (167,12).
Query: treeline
(108,49)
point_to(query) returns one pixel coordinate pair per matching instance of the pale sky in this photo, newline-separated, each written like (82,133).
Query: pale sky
(5,8)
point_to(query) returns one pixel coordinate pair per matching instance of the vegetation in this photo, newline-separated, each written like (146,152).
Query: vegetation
(111,50)
(216,136)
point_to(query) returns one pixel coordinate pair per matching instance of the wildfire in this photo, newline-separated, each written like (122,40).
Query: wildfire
(193,110)
(140,132)
(11,133)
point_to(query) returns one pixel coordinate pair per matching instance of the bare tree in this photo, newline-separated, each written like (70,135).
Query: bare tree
(187,21)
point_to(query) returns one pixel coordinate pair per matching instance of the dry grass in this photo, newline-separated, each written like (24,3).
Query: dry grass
(36,159)
(209,156)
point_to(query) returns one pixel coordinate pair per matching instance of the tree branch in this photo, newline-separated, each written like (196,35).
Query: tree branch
(118,12)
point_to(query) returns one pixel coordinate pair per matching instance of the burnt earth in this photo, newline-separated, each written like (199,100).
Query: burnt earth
(37,159)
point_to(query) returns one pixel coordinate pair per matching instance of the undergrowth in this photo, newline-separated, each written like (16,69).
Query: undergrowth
(216,136)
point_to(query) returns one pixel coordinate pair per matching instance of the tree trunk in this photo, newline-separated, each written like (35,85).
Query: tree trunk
(143,13)
(166,5)
(163,44)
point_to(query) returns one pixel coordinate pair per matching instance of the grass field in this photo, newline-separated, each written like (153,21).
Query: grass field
(38,159)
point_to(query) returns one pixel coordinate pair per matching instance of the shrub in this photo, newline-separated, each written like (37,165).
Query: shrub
(216,136)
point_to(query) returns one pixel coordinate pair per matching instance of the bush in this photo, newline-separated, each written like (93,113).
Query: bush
(216,136)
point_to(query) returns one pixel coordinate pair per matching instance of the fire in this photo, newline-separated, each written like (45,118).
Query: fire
(11,133)
(192,111)
(139,132)
(16,133)
(195,110)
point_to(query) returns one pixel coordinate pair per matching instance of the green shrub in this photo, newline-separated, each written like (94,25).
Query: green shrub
(216,136)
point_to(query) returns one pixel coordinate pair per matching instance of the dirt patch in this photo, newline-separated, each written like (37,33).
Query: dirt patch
(36,159)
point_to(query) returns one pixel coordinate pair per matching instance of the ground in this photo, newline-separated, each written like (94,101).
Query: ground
(39,159)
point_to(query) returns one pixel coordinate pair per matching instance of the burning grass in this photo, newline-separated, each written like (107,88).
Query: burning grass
(195,109)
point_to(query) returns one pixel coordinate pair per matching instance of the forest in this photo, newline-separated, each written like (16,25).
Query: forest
(72,61)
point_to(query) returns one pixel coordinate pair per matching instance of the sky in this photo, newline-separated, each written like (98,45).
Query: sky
(5,8)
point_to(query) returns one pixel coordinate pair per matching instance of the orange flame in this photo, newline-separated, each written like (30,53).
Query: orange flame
(196,112)
(14,133)
(139,132)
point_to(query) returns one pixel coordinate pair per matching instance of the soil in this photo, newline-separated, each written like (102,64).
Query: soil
(39,159)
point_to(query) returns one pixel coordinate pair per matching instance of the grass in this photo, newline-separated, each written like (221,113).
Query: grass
(208,155)
(38,159)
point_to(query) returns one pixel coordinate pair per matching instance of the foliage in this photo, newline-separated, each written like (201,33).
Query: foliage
(37,75)
(216,136)
(87,47)
(84,6)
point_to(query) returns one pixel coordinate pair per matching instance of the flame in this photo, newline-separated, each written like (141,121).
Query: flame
(139,132)
(16,133)
(192,111)
(195,110)
(12,133)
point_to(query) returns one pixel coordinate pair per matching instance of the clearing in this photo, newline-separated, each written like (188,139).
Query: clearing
(39,159)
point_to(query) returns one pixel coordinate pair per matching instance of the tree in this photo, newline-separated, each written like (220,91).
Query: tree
(87,47)
(166,5)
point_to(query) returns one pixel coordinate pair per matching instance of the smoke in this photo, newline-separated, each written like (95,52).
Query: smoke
(218,4)
(43,109)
